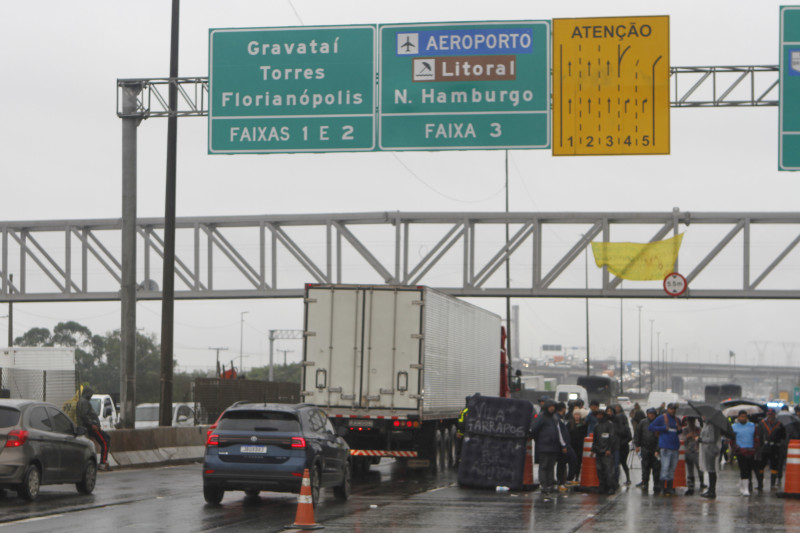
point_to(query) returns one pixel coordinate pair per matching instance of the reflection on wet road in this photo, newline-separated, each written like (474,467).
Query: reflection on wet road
(389,498)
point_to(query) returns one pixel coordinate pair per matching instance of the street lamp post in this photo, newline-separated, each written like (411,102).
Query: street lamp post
(658,354)
(621,367)
(241,339)
(651,353)
(640,348)
(586,273)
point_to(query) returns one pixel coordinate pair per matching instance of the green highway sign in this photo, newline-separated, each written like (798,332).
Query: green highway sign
(471,85)
(306,89)
(789,100)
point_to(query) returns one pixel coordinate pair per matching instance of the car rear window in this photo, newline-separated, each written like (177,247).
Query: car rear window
(8,417)
(260,421)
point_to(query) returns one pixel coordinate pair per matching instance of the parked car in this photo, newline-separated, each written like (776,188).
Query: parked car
(147,415)
(41,446)
(258,446)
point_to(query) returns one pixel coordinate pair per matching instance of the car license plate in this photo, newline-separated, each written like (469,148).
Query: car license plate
(361,423)
(248,448)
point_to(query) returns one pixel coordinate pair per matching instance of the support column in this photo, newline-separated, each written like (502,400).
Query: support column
(127,365)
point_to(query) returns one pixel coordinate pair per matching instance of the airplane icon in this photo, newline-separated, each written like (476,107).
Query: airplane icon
(407,43)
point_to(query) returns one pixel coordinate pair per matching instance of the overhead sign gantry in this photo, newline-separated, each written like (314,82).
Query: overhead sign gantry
(480,85)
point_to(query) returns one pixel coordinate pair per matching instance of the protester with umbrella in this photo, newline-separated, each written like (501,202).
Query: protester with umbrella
(715,426)
(710,444)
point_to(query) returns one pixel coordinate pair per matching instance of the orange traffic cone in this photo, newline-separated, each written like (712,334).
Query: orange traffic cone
(527,475)
(680,469)
(589,480)
(791,487)
(304,519)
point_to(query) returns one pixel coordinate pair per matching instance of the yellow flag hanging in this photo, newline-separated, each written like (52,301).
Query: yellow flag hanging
(638,261)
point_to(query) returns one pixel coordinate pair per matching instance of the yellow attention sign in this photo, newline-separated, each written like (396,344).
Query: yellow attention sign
(611,86)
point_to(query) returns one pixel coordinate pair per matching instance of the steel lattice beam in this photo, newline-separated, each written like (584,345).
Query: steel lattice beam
(460,253)
(725,86)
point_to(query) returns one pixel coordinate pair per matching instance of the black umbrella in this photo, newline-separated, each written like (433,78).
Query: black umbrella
(688,410)
(790,422)
(715,417)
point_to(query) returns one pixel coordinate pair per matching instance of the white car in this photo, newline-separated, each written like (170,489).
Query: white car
(625,403)
(147,415)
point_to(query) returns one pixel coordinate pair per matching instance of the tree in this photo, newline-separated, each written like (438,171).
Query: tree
(71,334)
(34,337)
(286,374)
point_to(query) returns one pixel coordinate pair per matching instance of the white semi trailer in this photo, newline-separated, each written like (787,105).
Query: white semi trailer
(38,373)
(392,366)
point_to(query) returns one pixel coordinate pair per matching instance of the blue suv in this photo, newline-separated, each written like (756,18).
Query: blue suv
(259,446)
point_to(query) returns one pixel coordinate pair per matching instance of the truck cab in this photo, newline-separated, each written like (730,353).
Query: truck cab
(103,405)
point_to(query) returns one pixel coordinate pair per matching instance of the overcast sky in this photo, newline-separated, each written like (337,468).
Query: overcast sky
(60,144)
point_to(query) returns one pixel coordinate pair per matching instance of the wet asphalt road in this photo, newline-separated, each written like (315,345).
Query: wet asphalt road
(389,499)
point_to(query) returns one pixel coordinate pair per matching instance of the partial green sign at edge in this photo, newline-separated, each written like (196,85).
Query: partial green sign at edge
(789,91)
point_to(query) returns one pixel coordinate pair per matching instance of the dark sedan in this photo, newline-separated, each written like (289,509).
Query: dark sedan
(39,445)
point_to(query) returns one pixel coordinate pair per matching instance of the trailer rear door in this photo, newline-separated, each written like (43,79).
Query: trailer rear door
(362,347)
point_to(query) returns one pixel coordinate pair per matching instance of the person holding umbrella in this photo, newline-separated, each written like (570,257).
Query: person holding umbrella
(710,445)
(715,426)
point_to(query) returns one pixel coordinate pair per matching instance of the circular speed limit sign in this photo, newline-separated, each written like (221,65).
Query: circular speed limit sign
(675,284)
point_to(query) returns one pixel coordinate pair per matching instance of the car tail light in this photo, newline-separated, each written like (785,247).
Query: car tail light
(212,440)
(16,437)
(298,442)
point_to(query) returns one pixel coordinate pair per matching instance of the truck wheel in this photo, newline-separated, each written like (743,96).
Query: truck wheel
(361,466)
(86,485)
(436,453)
(29,489)
(449,448)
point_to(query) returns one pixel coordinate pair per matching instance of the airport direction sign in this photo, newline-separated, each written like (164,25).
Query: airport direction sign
(611,86)
(458,86)
(789,100)
(300,89)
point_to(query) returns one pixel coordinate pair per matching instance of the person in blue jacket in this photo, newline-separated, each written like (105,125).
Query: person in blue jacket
(591,418)
(669,444)
(744,446)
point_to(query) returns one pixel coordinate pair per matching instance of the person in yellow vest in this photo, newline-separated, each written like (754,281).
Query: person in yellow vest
(460,429)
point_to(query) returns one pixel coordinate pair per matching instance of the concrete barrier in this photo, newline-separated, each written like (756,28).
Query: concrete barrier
(160,445)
